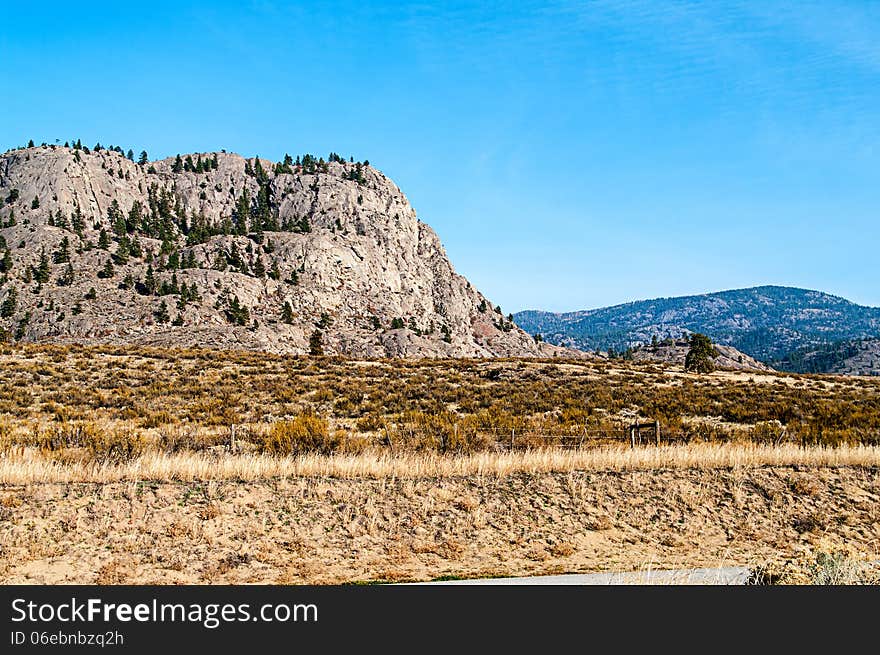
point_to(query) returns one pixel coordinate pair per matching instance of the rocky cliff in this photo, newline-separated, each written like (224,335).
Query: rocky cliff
(212,249)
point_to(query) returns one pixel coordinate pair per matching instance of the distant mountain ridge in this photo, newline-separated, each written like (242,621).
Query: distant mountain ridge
(774,324)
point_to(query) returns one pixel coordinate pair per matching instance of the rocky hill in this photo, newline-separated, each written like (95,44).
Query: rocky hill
(674,351)
(212,249)
(767,323)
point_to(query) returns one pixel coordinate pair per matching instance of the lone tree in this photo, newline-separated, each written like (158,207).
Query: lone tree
(700,355)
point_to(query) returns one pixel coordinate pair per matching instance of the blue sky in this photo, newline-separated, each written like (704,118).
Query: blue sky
(570,155)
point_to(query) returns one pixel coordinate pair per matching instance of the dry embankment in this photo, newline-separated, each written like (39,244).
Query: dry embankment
(366,521)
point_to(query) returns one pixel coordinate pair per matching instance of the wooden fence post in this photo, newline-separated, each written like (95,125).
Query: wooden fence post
(512,437)
(232,438)
(657,431)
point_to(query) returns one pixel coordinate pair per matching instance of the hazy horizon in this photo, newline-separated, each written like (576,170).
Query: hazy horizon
(570,156)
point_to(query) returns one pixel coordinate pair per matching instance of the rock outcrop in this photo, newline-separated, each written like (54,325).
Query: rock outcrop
(220,251)
(674,351)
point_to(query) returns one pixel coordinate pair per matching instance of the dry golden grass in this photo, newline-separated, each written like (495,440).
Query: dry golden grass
(27,465)
(141,465)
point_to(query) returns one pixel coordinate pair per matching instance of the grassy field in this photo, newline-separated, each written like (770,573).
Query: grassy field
(112,404)
(28,465)
(132,465)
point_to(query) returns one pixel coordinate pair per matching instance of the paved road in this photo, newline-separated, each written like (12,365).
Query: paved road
(730,575)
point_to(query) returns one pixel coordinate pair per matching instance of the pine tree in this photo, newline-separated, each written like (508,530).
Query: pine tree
(117,219)
(122,251)
(150,281)
(103,240)
(316,343)
(130,154)
(259,267)
(67,279)
(219,262)
(242,213)
(173,262)
(287,313)
(6,262)
(699,357)
(275,272)
(7,309)
(62,255)
(234,257)
(161,314)
(177,166)
(178,321)
(22,326)
(41,273)
(77,221)
(237,313)
(144,158)
(107,272)
(35,204)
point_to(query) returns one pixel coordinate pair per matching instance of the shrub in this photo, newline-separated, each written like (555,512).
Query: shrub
(768,432)
(837,569)
(119,446)
(302,435)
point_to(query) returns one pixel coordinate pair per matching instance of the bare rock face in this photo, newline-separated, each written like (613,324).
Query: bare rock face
(213,250)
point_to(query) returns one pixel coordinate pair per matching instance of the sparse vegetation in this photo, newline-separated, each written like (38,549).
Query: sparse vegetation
(169,433)
(451,406)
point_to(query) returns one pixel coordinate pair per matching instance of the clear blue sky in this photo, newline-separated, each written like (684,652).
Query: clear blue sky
(570,155)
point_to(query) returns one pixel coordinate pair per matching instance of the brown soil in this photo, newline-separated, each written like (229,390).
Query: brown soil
(325,530)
